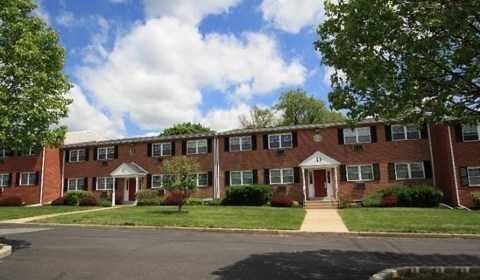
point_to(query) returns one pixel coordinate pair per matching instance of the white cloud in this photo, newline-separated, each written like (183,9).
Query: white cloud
(65,18)
(291,16)
(84,116)
(119,1)
(191,11)
(41,13)
(95,52)
(225,119)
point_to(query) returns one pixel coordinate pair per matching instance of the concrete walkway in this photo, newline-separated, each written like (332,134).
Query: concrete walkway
(323,220)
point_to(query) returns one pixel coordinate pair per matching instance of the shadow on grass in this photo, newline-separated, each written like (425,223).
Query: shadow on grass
(332,264)
(170,212)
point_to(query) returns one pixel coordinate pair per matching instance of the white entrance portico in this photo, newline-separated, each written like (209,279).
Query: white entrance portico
(131,174)
(320,177)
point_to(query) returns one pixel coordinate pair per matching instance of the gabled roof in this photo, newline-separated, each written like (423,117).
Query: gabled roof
(319,160)
(128,169)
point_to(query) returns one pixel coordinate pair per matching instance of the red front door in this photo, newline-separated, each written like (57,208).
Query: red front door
(132,189)
(319,178)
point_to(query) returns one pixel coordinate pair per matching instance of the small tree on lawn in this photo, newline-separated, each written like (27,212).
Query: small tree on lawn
(180,180)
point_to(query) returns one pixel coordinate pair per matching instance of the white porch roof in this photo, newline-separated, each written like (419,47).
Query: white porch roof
(319,160)
(130,169)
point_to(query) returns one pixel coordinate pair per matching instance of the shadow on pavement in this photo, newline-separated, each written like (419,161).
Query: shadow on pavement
(331,264)
(16,243)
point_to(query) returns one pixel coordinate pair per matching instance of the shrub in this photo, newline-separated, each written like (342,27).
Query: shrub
(58,201)
(251,195)
(476,200)
(11,201)
(173,198)
(281,201)
(104,202)
(389,200)
(405,196)
(296,204)
(73,198)
(374,200)
(148,198)
(195,201)
(89,200)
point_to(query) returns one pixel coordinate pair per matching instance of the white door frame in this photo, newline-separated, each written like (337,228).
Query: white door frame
(311,183)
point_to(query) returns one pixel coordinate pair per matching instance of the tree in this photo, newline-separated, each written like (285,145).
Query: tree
(258,118)
(415,61)
(179,179)
(33,88)
(299,108)
(185,128)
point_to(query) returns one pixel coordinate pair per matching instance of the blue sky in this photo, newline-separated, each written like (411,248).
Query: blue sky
(140,66)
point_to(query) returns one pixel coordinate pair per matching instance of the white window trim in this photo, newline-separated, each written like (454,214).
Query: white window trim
(103,189)
(161,181)
(76,184)
(197,141)
(410,170)
(355,130)
(28,183)
(468,176)
(463,134)
(241,143)
(197,179)
(106,153)
(8,176)
(77,151)
(242,183)
(161,149)
(280,143)
(281,176)
(359,168)
(405,134)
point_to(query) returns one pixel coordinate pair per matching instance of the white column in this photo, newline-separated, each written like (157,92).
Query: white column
(304,187)
(336,182)
(125,188)
(113,192)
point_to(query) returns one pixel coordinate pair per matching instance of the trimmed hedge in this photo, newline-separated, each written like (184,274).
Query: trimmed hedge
(250,195)
(89,200)
(173,198)
(73,198)
(148,198)
(476,200)
(11,201)
(281,201)
(405,196)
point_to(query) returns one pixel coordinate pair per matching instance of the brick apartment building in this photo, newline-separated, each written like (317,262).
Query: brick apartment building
(308,162)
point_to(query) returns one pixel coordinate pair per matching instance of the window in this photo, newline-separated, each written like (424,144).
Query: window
(405,132)
(3,153)
(77,155)
(28,178)
(244,177)
(240,143)
(409,170)
(202,179)
(106,153)
(473,176)
(280,141)
(161,149)
(359,173)
(199,146)
(358,135)
(281,176)
(4,180)
(76,184)
(471,132)
(104,183)
(158,181)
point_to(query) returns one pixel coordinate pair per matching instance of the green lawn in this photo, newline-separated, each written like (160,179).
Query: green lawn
(7,213)
(422,220)
(193,216)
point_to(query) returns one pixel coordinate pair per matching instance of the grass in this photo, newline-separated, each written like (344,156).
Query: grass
(418,220)
(7,213)
(441,276)
(193,216)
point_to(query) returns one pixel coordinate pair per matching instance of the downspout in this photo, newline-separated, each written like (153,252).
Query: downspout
(216,169)
(41,178)
(434,176)
(454,169)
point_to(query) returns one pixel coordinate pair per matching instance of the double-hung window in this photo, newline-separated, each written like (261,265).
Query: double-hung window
(244,177)
(240,143)
(359,135)
(161,149)
(3,153)
(158,181)
(409,170)
(199,146)
(28,178)
(473,174)
(471,132)
(201,179)
(405,132)
(106,153)
(75,184)
(280,141)
(77,155)
(104,184)
(4,180)
(357,173)
(281,176)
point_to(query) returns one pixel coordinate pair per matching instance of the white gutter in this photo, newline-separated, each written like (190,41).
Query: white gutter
(41,178)
(216,169)
(454,168)
(432,160)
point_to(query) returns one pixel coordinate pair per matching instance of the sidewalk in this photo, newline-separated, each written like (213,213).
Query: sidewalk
(323,220)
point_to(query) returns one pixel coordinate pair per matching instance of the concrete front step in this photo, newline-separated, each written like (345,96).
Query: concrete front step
(321,204)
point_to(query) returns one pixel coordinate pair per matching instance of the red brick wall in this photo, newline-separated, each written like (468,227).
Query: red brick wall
(51,175)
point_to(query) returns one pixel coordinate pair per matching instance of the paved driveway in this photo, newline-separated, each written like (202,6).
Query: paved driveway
(80,253)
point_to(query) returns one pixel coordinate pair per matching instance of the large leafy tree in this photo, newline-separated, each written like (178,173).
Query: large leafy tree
(410,60)
(33,87)
(258,118)
(297,107)
(185,128)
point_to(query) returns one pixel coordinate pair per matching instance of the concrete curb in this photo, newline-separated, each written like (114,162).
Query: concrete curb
(5,250)
(272,232)
(394,273)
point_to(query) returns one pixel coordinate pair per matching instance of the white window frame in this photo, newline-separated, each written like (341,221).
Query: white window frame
(104,188)
(359,169)
(162,152)
(468,176)
(242,181)
(405,132)
(196,143)
(76,180)
(356,134)
(162,177)
(409,166)
(3,153)
(241,144)
(282,182)
(197,179)
(77,157)
(106,153)
(280,143)
(478,134)
(3,181)
(21,183)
